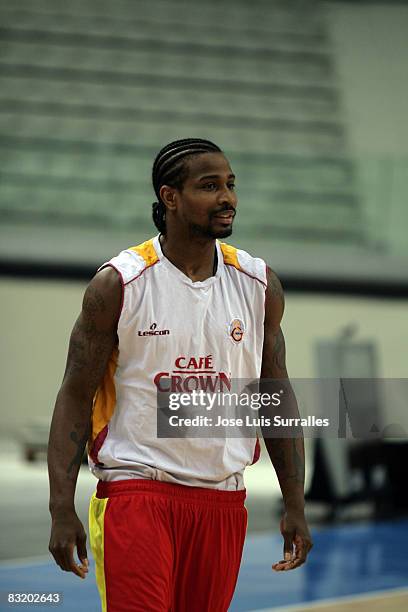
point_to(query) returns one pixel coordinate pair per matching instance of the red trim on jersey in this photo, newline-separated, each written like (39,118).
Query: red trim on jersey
(266,287)
(97,445)
(257,452)
(140,273)
(243,272)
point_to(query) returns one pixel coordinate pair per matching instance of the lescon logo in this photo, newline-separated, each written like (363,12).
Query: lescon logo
(236,330)
(153,331)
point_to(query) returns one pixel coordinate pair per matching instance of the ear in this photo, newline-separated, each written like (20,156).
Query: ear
(168,196)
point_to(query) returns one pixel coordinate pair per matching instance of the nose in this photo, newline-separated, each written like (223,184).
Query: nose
(227,196)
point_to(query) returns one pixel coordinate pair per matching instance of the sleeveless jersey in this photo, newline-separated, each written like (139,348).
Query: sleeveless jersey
(176,332)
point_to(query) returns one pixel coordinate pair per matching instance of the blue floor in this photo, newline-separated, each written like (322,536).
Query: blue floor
(347,560)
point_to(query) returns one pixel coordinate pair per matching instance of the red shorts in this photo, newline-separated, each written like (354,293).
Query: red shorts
(166,547)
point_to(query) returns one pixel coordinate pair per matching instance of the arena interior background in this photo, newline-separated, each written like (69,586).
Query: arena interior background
(308,100)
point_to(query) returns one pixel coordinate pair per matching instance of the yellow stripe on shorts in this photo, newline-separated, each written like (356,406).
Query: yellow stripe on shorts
(97,509)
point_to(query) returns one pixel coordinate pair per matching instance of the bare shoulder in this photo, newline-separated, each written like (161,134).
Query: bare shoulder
(273,357)
(103,296)
(275,299)
(94,334)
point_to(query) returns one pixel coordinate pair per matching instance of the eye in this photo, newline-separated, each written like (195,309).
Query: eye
(231,186)
(209,186)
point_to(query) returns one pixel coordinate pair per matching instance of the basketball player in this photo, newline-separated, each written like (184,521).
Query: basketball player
(168,520)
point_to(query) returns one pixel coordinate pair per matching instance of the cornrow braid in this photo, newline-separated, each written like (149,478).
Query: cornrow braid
(169,168)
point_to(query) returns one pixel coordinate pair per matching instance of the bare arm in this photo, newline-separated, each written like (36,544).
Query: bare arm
(287,454)
(92,341)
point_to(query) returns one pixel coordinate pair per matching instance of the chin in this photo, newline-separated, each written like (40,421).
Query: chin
(210,232)
(220,230)
(222,233)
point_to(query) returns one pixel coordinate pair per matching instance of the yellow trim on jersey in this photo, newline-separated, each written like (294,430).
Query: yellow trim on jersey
(230,255)
(97,508)
(105,398)
(147,251)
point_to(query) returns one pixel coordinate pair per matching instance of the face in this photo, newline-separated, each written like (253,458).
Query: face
(206,204)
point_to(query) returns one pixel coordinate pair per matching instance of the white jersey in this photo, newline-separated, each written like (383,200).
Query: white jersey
(177,333)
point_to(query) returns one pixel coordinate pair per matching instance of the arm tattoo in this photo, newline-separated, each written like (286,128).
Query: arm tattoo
(274,357)
(80,442)
(89,346)
(93,302)
(287,459)
(286,453)
(279,351)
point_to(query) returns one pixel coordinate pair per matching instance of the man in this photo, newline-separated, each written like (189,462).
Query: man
(168,519)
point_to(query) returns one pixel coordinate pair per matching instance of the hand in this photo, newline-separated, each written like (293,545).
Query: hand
(297,540)
(67,532)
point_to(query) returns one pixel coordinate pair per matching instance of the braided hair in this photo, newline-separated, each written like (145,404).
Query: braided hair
(169,168)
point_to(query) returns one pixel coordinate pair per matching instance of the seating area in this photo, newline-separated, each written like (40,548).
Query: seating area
(89,93)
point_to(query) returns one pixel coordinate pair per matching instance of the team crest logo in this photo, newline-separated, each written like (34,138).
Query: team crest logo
(236,330)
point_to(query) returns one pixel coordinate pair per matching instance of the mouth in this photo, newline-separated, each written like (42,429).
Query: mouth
(226,216)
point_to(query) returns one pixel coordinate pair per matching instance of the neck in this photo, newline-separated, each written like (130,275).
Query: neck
(195,258)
